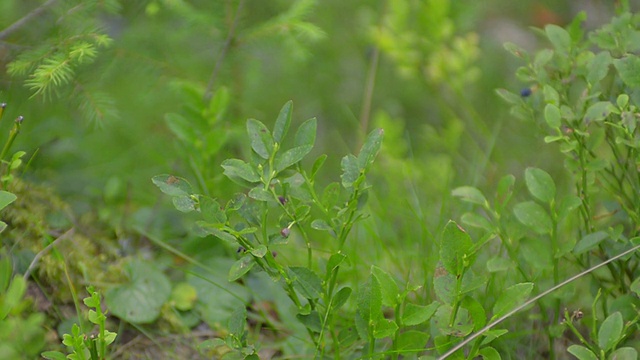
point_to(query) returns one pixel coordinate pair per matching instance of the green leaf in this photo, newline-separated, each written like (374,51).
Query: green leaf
(470,194)
(334,261)
(6,198)
(589,242)
(511,297)
(340,298)
(456,249)
(498,263)
(13,296)
(460,327)
(581,352)
(552,116)
(476,311)
(624,353)
(306,134)
(260,194)
(311,321)
(140,299)
(350,170)
(321,225)
(307,282)
(236,168)
(291,156)
(241,267)
(559,37)
(370,149)
(53,355)
(610,331)
(181,127)
(318,164)
(261,140)
(540,184)
(172,185)
(388,286)
(533,216)
(212,211)
(237,321)
(629,69)
(635,286)
(215,230)
(384,328)
(598,67)
(369,302)
(259,251)
(598,111)
(184,204)
(412,340)
(509,97)
(282,122)
(489,353)
(417,314)
(444,285)
(477,221)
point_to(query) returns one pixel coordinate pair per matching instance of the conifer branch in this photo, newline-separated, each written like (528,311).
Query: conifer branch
(25,19)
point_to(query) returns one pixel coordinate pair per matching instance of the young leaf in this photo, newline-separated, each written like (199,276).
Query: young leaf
(282,122)
(610,331)
(370,149)
(540,184)
(172,185)
(317,165)
(455,249)
(350,170)
(388,286)
(417,314)
(533,216)
(306,134)
(261,140)
(510,298)
(471,195)
(334,261)
(306,282)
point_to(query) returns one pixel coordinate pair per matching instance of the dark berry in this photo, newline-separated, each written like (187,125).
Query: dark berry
(282,200)
(285,232)
(525,92)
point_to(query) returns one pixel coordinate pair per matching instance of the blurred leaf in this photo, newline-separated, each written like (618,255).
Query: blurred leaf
(350,171)
(212,211)
(477,221)
(241,267)
(635,286)
(139,301)
(261,140)
(456,249)
(629,69)
(184,296)
(318,164)
(181,127)
(6,198)
(370,149)
(470,194)
(282,122)
(589,242)
(509,97)
(417,314)
(540,184)
(172,185)
(184,203)
(598,67)
(624,353)
(533,216)
(552,116)
(598,111)
(13,296)
(510,298)
(306,282)
(610,331)
(237,321)
(311,321)
(489,353)
(498,263)
(559,37)
(411,340)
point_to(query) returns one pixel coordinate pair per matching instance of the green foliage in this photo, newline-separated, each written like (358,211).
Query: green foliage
(82,345)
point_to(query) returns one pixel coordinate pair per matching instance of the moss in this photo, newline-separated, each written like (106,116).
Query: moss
(36,219)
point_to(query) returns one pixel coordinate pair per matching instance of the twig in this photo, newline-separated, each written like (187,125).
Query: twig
(531,301)
(208,93)
(25,19)
(44,251)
